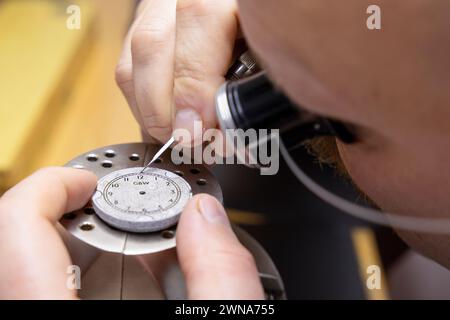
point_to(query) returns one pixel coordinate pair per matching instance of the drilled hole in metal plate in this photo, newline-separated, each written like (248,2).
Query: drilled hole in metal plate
(107,164)
(134,157)
(89,210)
(110,153)
(92,157)
(142,192)
(180,173)
(201,182)
(168,234)
(159,160)
(194,171)
(87,226)
(69,216)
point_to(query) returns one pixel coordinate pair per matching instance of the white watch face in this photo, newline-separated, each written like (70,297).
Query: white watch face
(137,201)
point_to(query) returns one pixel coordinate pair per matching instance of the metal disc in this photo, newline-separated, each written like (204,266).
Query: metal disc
(86,224)
(141,201)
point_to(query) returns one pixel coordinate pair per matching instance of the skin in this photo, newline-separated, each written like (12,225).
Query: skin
(391,84)
(175,57)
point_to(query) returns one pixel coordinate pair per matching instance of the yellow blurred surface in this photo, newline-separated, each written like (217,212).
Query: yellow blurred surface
(58,97)
(367,254)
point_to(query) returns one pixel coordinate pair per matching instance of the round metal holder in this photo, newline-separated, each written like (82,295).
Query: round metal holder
(85,225)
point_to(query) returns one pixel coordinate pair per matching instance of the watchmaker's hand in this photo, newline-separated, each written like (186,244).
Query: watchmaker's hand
(175,57)
(34,259)
(215,264)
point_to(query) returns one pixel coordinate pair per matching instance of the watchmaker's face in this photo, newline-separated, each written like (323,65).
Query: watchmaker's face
(393,84)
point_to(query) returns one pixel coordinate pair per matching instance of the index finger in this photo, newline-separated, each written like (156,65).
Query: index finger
(152,48)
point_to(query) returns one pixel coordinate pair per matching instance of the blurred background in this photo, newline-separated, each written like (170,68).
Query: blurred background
(58,99)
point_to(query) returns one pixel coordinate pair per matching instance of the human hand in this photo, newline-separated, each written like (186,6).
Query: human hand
(34,259)
(215,264)
(174,59)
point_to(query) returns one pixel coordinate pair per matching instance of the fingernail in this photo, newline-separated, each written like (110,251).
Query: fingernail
(212,211)
(190,120)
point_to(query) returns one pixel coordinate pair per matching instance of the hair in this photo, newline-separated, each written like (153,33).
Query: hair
(326,151)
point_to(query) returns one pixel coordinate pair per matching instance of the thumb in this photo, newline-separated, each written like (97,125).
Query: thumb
(215,264)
